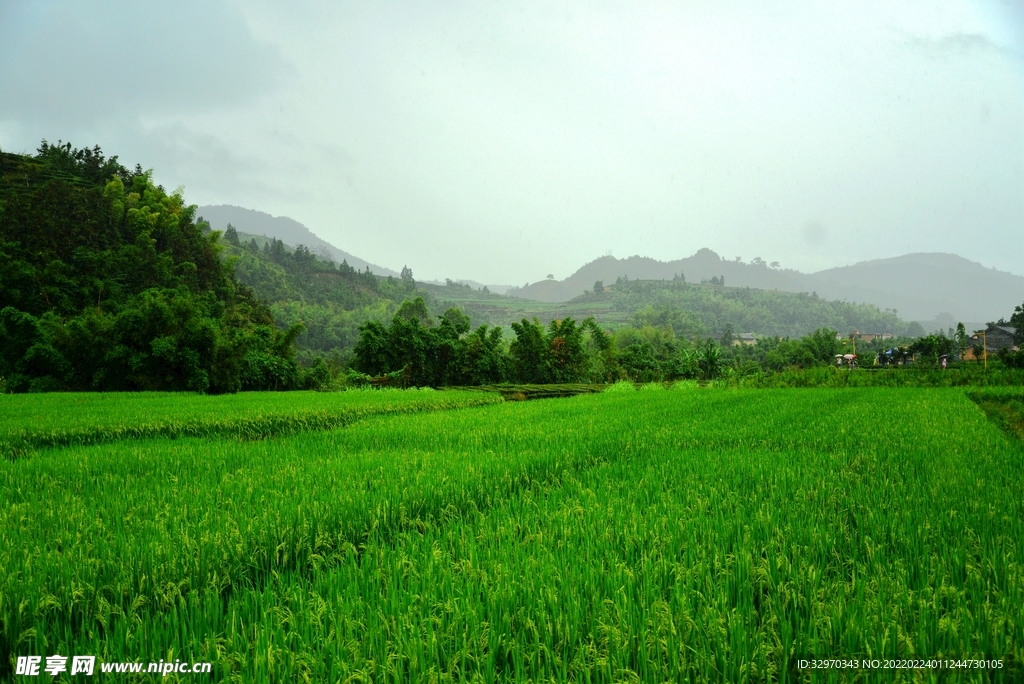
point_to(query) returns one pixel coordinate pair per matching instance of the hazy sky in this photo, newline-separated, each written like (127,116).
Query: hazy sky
(504,141)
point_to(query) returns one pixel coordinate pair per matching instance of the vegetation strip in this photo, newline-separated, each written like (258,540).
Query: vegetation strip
(512,392)
(18,441)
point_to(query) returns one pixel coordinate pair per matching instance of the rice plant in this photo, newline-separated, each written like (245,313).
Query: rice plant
(29,422)
(633,536)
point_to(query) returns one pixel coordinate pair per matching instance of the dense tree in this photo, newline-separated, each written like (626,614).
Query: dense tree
(931,347)
(529,352)
(108,283)
(408,283)
(448,352)
(430,355)
(960,339)
(1017,321)
(709,360)
(482,360)
(566,357)
(414,309)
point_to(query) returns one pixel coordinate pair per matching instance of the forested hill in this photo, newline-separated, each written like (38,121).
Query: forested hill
(330,300)
(287,230)
(920,287)
(108,283)
(692,310)
(713,310)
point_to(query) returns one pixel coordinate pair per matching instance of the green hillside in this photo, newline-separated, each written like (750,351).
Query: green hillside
(284,228)
(692,309)
(330,300)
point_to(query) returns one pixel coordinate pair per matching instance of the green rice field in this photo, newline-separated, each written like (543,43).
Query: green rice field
(664,535)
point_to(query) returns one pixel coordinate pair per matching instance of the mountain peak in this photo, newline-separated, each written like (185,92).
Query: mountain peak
(919,285)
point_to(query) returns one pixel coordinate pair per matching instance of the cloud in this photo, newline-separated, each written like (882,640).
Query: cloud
(70,63)
(959,45)
(814,233)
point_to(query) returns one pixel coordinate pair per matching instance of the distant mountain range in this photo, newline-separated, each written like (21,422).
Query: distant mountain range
(933,288)
(288,231)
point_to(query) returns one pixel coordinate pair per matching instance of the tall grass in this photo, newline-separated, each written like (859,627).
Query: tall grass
(633,536)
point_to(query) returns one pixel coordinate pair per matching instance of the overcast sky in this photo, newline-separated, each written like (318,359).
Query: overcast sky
(504,141)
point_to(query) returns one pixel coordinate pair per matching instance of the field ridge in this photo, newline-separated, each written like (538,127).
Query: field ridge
(1004,406)
(18,443)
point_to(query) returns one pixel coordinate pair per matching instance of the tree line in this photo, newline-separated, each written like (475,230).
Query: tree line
(414,350)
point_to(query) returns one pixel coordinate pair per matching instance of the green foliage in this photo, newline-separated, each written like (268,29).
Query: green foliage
(448,353)
(422,354)
(1011,359)
(1017,321)
(709,360)
(529,352)
(706,311)
(555,355)
(931,347)
(1004,406)
(108,283)
(959,375)
(231,236)
(330,300)
(414,309)
(960,339)
(566,358)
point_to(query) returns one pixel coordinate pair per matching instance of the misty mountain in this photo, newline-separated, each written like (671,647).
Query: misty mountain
(287,230)
(924,287)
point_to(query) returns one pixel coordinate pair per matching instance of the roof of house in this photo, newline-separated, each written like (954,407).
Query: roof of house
(996,336)
(998,330)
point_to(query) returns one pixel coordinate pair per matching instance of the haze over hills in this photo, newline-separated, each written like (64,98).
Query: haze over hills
(926,287)
(287,230)
(936,289)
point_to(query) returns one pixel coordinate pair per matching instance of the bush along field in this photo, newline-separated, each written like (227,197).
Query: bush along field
(658,535)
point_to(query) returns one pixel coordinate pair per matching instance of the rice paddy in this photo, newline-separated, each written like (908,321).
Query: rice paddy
(703,535)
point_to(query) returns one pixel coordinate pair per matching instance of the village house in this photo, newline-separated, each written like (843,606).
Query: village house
(995,338)
(744,338)
(867,337)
